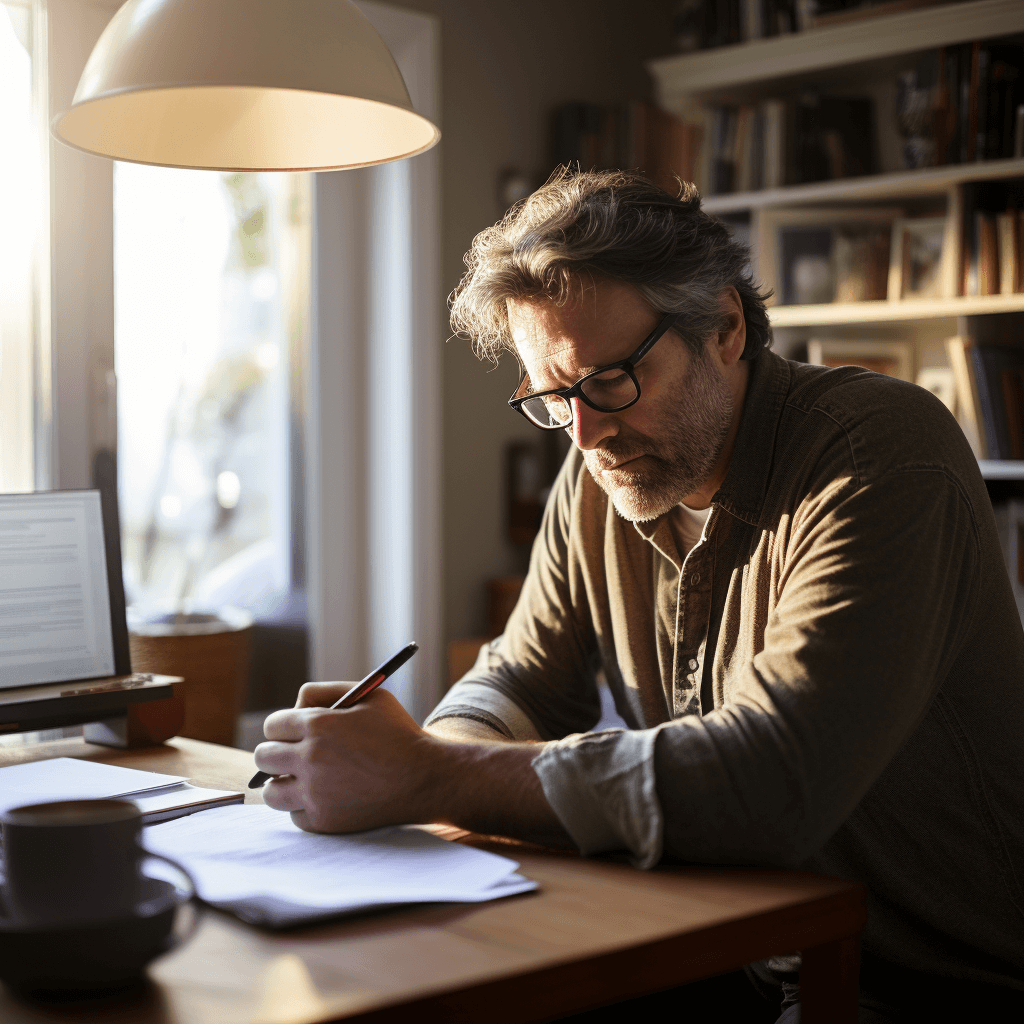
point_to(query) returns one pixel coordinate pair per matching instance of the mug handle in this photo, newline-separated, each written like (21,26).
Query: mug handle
(191,900)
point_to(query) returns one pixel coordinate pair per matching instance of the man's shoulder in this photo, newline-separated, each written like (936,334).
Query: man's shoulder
(884,423)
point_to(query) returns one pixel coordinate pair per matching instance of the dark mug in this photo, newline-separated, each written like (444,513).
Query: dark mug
(72,860)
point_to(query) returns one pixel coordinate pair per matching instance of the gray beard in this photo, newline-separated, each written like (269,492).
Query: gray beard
(681,459)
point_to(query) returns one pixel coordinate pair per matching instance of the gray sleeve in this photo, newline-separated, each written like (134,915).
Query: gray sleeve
(482,702)
(537,680)
(602,786)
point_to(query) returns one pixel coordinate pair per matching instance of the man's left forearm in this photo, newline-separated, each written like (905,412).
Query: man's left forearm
(491,788)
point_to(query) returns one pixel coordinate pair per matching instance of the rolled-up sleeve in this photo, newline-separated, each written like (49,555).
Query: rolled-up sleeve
(602,786)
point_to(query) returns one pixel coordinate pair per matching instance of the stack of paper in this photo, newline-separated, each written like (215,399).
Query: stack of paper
(253,862)
(158,796)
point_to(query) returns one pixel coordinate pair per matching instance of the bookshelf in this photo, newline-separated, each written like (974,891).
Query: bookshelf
(828,314)
(862,58)
(728,71)
(925,182)
(996,469)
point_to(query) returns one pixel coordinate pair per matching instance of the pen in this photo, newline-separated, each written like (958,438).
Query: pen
(357,693)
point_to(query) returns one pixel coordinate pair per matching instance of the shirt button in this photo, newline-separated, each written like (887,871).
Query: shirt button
(691,678)
(692,664)
(695,579)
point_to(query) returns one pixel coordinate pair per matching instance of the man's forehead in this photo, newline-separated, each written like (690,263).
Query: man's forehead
(546,335)
(559,341)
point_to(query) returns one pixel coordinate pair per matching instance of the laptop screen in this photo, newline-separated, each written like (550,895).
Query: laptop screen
(55,597)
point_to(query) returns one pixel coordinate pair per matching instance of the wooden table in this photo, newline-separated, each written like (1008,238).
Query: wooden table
(598,931)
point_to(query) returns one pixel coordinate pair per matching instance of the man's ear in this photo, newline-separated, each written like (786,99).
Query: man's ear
(731,341)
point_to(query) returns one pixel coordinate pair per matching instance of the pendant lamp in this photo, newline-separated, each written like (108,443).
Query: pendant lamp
(245,85)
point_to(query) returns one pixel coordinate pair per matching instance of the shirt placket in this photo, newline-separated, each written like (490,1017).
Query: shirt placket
(693,613)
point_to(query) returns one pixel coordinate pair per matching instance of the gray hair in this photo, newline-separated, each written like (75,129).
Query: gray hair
(607,224)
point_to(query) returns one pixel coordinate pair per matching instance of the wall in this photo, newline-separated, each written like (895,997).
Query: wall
(504,67)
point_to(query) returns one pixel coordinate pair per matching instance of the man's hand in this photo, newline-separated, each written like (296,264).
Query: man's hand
(371,765)
(346,770)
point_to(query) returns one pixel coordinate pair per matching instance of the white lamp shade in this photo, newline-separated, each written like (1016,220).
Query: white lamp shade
(277,85)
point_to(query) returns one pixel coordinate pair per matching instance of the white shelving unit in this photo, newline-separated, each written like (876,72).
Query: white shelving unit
(903,184)
(995,469)
(864,56)
(835,313)
(782,60)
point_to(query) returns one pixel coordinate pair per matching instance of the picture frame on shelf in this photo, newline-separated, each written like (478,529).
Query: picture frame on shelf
(892,358)
(940,381)
(918,259)
(824,255)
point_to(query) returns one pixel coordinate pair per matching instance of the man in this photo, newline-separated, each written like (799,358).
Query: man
(789,576)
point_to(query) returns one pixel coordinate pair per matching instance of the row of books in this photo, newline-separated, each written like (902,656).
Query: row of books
(631,135)
(788,141)
(705,24)
(963,103)
(994,261)
(959,105)
(990,395)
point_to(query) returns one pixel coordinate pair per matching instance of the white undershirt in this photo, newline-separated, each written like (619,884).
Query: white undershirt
(689,525)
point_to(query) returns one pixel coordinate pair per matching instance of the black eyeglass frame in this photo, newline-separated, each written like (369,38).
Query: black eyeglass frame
(576,390)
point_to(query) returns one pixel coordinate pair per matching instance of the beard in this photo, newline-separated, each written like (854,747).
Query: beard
(678,461)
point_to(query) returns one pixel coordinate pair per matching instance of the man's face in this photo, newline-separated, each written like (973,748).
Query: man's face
(657,453)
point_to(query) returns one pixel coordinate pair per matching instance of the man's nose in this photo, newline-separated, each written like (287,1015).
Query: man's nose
(590,427)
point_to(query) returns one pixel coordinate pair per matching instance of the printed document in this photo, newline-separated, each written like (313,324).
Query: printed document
(55,620)
(255,863)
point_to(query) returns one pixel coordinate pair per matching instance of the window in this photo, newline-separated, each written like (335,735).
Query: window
(23,249)
(210,311)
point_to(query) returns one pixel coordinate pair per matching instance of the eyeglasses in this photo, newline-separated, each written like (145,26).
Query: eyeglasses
(611,388)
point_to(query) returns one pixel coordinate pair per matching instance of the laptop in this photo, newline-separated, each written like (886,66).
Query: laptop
(64,657)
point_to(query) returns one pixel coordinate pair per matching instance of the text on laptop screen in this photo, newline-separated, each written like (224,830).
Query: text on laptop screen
(54,597)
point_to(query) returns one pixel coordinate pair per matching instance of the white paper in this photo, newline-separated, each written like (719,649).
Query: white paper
(69,778)
(176,801)
(254,862)
(54,597)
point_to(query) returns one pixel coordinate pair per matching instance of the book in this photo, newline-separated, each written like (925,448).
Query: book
(987,255)
(832,137)
(986,400)
(720,166)
(968,412)
(969,106)
(774,115)
(1001,97)
(745,156)
(980,104)
(1009,252)
(1012,382)
(991,361)
(944,109)
(827,15)
(664,146)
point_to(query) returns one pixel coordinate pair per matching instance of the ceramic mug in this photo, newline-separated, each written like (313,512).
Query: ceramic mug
(72,860)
